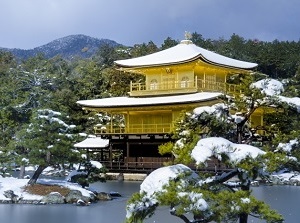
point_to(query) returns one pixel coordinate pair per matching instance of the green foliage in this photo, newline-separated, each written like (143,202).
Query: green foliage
(205,201)
(47,140)
(231,205)
(139,202)
(292,86)
(7,61)
(168,43)
(143,49)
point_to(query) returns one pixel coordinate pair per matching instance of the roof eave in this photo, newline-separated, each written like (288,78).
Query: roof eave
(199,56)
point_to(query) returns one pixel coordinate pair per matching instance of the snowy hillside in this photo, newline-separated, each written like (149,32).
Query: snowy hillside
(68,47)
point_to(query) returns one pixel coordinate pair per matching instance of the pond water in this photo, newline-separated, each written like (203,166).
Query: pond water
(285,199)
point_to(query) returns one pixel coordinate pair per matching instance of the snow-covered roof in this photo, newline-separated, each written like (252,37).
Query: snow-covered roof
(184,52)
(130,101)
(96,142)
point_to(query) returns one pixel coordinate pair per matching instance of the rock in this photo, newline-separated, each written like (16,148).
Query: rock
(11,195)
(294,182)
(255,183)
(74,195)
(120,177)
(115,194)
(102,196)
(82,203)
(53,198)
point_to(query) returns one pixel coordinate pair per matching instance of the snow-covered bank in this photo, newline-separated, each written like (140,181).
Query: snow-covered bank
(16,188)
(290,178)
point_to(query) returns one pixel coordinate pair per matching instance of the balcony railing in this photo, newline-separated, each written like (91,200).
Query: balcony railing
(170,87)
(180,87)
(134,129)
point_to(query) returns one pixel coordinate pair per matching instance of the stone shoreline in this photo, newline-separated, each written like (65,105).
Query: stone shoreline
(126,176)
(73,197)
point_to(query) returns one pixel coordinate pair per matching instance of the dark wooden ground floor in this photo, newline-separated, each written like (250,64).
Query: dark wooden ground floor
(139,154)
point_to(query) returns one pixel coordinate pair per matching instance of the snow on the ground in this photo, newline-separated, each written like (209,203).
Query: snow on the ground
(17,185)
(288,178)
(64,183)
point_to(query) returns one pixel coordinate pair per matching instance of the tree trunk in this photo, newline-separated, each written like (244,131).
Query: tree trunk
(244,216)
(239,132)
(22,172)
(36,175)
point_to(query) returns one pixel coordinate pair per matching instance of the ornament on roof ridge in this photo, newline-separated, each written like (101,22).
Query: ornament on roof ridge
(187,35)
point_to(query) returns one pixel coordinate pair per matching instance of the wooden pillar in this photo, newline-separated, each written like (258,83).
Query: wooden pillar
(101,152)
(127,123)
(111,123)
(110,154)
(127,152)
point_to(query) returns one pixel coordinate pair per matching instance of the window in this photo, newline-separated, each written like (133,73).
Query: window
(184,82)
(153,84)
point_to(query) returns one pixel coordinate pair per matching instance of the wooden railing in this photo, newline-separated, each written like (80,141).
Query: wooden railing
(168,87)
(134,128)
(178,87)
(146,164)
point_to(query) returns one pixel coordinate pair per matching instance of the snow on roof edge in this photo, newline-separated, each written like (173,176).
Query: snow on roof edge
(160,100)
(95,142)
(182,53)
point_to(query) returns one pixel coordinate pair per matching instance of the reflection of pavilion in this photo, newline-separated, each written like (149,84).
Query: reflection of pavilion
(177,79)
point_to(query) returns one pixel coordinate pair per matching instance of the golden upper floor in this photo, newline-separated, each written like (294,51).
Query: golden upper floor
(185,68)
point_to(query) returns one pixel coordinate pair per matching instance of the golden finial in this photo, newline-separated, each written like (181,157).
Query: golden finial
(187,35)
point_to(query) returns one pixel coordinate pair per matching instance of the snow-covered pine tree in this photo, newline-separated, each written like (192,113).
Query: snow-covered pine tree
(48,141)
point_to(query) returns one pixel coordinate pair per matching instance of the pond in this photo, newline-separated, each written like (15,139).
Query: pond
(285,199)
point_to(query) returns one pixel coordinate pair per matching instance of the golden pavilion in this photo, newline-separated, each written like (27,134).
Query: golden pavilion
(177,79)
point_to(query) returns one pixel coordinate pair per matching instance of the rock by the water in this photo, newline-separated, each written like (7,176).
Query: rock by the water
(74,195)
(53,198)
(82,203)
(120,177)
(255,183)
(102,196)
(115,194)
(11,195)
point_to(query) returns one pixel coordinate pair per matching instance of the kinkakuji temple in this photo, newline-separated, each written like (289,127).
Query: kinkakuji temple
(177,79)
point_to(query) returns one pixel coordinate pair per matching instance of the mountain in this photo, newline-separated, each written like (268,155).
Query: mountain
(67,47)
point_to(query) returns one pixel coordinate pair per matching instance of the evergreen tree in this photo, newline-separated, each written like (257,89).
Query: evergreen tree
(168,43)
(47,141)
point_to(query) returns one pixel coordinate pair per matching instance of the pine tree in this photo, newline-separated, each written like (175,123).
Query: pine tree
(47,140)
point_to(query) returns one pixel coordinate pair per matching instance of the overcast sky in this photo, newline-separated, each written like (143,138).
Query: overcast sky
(27,24)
